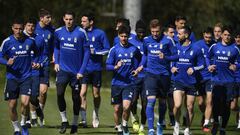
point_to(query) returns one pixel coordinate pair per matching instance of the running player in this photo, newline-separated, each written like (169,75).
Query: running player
(203,85)
(190,60)
(99,46)
(46,30)
(17,51)
(123,60)
(34,106)
(71,54)
(221,63)
(137,41)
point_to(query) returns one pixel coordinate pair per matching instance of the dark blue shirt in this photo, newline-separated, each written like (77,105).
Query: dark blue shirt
(129,55)
(152,48)
(47,34)
(222,56)
(188,57)
(71,50)
(21,51)
(99,42)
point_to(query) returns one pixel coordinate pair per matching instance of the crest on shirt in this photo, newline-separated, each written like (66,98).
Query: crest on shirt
(223,52)
(229,53)
(125,54)
(20,46)
(161,46)
(49,36)
(131,55)
(75,40)
(93,39)
(191,53)
(178,52)
(27,47)
(155,46)
(69,39)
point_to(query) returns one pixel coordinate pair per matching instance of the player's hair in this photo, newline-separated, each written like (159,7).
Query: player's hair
(140,24)
(187,30)
(18,21)
(236,33)
(180,17)
(124,21)
(43,12)
(208,30)
(219,24)
(90,15)
(154,23)
(30,20)
(124,29)
(165,29)
(227,28)
(69,12)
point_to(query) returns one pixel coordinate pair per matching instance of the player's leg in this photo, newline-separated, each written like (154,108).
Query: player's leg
(97,81)
(178,95)
(151,86)
(76,86)
(116,101)
(83,96)
(61,84)
(44,84)
(127,96)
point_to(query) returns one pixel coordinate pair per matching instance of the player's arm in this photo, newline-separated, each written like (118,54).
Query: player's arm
(173,52)
(110,62)
(106,45)
(56,52)
(86,49)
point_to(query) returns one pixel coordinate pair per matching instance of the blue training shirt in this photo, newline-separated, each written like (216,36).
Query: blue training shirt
(48,34)
(222,56)
(188,57)
(21,51)
(152,48)
(40,44)
(139,44)
(204,74)
(99,42)
(71,50)
(130,56)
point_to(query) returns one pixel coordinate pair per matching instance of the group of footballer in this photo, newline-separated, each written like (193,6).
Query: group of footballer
(169,65)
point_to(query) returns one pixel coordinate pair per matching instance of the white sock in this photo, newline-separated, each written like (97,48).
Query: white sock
(75,120)
(34,114)
(64,116)
(96,111)
(206,122)
(16,126)
(41,106)
(23,120)
(239,121)
(141,127)
(176,124)
(124,122)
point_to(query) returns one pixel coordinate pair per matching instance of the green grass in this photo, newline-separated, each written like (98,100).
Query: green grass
(52,117)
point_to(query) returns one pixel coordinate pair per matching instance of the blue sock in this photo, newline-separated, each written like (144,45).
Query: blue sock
(150,113)
(162,108)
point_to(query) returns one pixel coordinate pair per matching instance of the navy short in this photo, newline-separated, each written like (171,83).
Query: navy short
(236,92)
(224,91)
(139,88)
(35,85)
(188,90)
(94,78)
(157,85)
(203,87)
(120,93)
(66,78)
(44,75)
(14,88)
